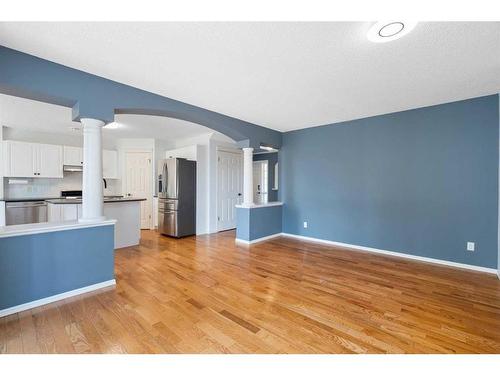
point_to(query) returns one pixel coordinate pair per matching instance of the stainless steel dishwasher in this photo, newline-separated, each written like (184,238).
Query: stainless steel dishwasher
(25,212)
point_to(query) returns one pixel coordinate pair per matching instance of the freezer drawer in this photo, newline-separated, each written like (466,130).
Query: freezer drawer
(167,223)
(168,204)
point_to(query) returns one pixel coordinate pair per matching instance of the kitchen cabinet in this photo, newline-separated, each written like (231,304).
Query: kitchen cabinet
(24,159)
(109,164)
(49,160)
(73,155)
(127,229)
(19,158)
(63,212)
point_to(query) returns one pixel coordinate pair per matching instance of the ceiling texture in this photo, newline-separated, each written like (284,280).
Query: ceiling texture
(283,76)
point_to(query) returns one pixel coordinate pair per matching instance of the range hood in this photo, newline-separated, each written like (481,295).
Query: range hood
(73,168)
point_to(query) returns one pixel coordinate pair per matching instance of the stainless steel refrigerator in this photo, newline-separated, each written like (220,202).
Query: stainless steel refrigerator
(177,197)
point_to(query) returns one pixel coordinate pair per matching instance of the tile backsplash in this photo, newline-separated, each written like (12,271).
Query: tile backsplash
(51,187)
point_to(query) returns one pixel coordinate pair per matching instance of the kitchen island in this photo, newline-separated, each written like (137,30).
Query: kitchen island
(126,212)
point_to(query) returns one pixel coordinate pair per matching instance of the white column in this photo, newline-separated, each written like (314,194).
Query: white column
(248,177)
(92,203)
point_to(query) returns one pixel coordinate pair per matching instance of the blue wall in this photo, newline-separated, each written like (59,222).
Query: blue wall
(272,158)
(421,182)
(42,265)
(92,96)
(254,223)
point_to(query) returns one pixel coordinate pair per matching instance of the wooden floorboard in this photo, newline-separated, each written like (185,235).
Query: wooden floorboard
(207,294)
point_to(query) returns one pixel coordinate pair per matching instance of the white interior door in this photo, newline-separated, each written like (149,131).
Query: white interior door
(260,181)
(138,179)
(229,188)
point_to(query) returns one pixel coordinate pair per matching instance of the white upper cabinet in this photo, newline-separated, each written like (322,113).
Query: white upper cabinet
(109,164)
(49,161)
(23,159)
(73,155)
(19,159)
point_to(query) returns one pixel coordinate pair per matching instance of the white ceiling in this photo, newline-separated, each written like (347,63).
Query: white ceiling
(280,75)
(19,113)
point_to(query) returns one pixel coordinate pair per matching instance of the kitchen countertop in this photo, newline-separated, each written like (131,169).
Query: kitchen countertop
(26,229)
(106,200)
(28,199)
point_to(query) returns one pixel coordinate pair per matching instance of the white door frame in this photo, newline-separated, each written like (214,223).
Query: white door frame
(236,151)
(124,177)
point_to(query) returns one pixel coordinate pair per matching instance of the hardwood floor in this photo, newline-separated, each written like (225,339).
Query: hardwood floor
(207,295)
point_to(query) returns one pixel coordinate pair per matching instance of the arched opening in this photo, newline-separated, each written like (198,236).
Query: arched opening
(36,122)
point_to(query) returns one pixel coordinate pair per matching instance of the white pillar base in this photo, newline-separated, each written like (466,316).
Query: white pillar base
(92,194)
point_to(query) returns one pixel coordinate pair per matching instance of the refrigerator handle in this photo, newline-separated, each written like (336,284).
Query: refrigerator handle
(165,176)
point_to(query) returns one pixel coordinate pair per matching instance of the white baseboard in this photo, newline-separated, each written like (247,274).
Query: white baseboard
(54,298)
(238,240)
(394,253)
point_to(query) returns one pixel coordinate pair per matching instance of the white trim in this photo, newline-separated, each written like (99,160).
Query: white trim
(54,298)
(260,205)
(27,229)
(245,242)
(393,253)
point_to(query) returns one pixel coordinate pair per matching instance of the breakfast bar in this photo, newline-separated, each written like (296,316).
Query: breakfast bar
(125,211)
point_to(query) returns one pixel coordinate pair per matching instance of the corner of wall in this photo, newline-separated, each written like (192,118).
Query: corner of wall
(498,201)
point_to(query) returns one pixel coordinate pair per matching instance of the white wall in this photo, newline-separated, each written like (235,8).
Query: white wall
(75,140)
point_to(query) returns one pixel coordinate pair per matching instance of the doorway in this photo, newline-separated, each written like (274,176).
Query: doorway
(138,181)
(229,187)
(260,181)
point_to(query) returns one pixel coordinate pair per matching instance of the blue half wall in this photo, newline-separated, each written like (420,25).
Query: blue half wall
(258,222)
(37,266)
(420,182)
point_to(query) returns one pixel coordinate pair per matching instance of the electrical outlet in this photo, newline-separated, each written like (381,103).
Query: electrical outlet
(305,224)
(471,246)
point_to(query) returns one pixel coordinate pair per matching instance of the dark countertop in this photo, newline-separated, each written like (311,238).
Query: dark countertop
(28,199)
(106,200)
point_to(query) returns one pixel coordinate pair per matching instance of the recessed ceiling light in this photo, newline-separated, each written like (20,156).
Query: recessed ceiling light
(387,31)
(112,125)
